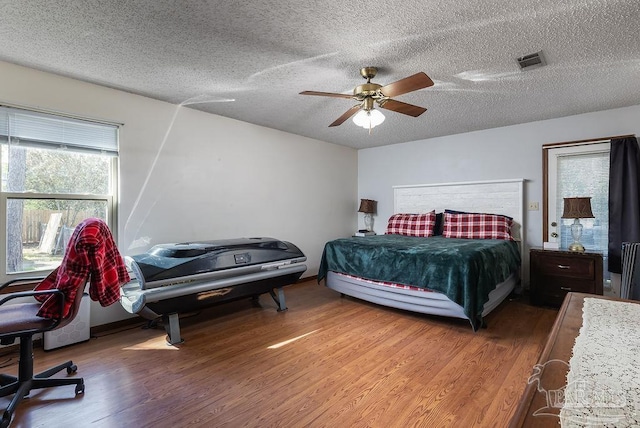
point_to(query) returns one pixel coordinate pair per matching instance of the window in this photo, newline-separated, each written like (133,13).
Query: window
(577,170)
(55,172)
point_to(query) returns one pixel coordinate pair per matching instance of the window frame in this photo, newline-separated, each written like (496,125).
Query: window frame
(580,148)
(111,199)
(545,174)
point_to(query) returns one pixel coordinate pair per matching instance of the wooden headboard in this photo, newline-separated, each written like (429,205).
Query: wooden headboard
(494,197)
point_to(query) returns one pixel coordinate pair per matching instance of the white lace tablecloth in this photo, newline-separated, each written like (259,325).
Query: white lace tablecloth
(603,383)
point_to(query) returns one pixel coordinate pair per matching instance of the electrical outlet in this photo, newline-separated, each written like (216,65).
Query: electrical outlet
(534,206)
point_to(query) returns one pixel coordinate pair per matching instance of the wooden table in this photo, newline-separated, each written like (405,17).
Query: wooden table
(555,354)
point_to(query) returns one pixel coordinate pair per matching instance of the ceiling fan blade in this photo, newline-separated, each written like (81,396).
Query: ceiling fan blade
(408,84)
(326,94)
(404,108)
(353,110)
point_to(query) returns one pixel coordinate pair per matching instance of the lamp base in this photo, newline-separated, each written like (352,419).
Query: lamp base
(576,233)
(368,222)
(577,247)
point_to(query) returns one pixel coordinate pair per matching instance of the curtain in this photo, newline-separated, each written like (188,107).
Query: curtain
(624,198)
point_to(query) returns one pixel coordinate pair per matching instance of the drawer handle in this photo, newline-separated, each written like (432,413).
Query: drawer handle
(564,267)
(565,288)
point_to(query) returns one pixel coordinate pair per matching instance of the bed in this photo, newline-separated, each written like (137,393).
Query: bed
(461,278)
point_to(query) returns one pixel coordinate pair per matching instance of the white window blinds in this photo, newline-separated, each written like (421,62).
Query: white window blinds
(586,175)
(45,130)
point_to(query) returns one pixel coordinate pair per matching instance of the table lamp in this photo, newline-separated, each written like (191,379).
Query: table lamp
(577,208)
(368,207)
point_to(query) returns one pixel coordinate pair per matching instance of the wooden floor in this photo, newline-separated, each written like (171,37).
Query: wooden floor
(326,362)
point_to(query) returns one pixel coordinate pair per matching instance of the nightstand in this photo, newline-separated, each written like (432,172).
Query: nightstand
(554,273)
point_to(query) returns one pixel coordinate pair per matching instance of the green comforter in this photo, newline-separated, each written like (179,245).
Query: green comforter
(465,270)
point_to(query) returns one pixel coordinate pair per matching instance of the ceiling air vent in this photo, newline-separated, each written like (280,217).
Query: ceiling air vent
(529,62)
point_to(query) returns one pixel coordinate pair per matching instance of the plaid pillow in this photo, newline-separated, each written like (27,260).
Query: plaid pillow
(477,226)
(412,224)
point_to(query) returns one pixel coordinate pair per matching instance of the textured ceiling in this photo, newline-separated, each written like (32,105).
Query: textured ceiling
(261,54)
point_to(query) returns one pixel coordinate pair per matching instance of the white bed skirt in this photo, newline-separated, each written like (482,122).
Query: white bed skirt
(427,302)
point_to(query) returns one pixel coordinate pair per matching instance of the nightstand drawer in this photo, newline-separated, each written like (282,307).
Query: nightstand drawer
(561,287)
(570,267)
(553,293)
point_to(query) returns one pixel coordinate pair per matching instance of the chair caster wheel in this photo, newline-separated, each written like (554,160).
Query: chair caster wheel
(72,369)
(6,420)
(80,389)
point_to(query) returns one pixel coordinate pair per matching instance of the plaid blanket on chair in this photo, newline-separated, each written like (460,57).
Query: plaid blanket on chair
(91,254)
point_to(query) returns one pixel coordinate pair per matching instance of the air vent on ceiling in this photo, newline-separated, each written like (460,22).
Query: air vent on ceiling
(531,61)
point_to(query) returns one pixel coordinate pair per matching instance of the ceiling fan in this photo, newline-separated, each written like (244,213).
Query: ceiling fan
(369,94)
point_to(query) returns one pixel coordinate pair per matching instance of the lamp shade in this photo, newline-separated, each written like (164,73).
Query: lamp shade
(368,118)
(577,208)
(367,206)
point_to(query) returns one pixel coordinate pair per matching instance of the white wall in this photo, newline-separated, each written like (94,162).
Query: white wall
(187,175)
(499,153)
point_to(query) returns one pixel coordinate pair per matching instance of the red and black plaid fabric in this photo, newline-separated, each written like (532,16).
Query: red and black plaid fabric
(412,224)
(387,283)
(477,226)
(91,253)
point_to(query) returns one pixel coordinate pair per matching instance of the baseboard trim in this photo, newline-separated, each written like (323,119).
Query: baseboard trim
(128,322)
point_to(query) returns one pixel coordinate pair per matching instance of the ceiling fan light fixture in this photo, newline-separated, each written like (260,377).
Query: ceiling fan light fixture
(368,93)
(368,119)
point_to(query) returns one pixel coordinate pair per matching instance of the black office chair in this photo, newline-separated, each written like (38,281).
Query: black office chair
(91,253)
(19,321)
